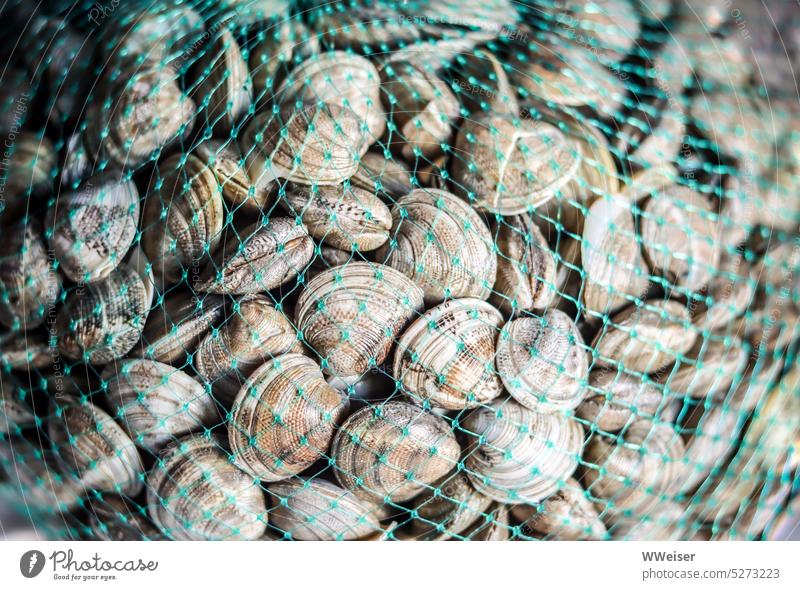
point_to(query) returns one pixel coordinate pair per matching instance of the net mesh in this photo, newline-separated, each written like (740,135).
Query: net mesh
(434,269)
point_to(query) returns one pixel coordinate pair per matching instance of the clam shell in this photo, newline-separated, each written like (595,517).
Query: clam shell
(633,474)
(482,85)
(679,237)
(393,451)
(419,105)
(227,164)
(104,320)
(494,526)
(116,519)
(155,403)
(182,218)
(567,515)
(610,27)
(645,339)
(284,418)
(543,362)
(95,448)
(708,369)
(711,437)
(761,374)
(449,509)
(351,314)
(342,79)
(91,230)
(195,493)
(316,145)
(519,455)
(25,351)
(254,333)
(616,399)
(267,255)
(526,267)
(150,112)
(615,270)
(15,413)
(508,166)
(176,325)
(441,244)
(317,510)
(273,53)
(446,356)
(224,90)
(731,292)
(344,216)
(29,282)
(382,175)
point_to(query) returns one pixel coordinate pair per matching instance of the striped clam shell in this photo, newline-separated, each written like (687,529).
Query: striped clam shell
(195,493)
(543,362)
(394,451)
(382,175)
(254,333)
(266,256)
(103,321)
(155,403)
(183,216)
(645,339)
(446,356)
(227,163)
(95,448)
(351,314)
(91,229)
(342,79)
(615,399)
(632,473)
(318,510)
(29,282)
(284,418)
(508,166)
(519,455)
(344,216)
(442,244)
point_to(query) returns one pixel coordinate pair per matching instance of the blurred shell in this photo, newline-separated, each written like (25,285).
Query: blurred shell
(271,56)
(710,437)
(483,84)
(526,267)
(645,339)
(357,26)
(616,399)
(610,27)
(731,292)
(344,216)
(632,473)
(317,510)
(262,257)
(446,356)
(175,326)
(224,90)
(195,493)
(543,362)
(615,270)
(155,403)
(351,314)
(761,374)
(149,113)
(28,170)
(103,321)
(509,166)
(91,230)
(493,526)
(393,451)
(183,216)
(254,333)
(441,244)
(29,282)
(116,519)
(25,351)
(382,175)
(227,164)
(316,145)
(89,442)
(284,418)
(518,455)
(341,79)
(448,510)
(708,369)
(15,414)
(420,106)
(679,237)
(567,515)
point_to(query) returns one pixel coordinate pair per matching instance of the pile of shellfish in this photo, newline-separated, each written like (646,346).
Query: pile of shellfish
(416,270)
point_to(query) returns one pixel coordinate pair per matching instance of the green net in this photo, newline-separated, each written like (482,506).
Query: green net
(423,269)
